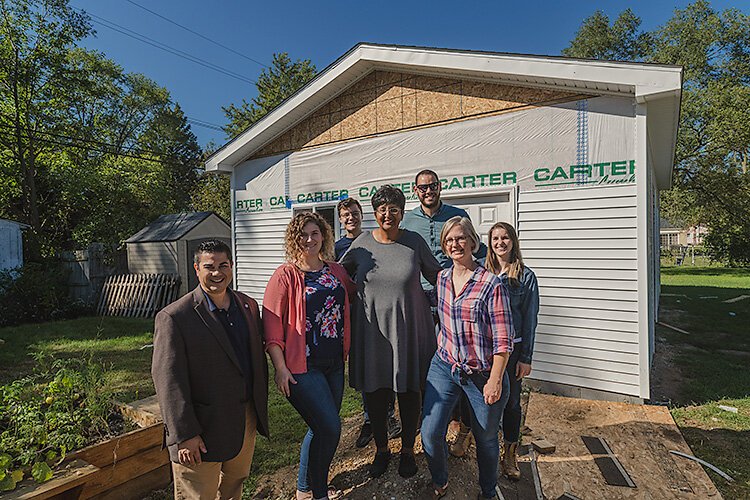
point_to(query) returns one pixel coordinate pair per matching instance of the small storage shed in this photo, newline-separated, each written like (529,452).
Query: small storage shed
(167,245)
(11,244)
(573,152)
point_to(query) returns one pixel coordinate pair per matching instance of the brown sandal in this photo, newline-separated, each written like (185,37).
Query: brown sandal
(434,491)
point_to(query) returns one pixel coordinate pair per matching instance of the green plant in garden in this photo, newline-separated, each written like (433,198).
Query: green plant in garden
(58,408)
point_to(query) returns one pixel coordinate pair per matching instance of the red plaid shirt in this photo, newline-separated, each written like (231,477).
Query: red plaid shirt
(475,324)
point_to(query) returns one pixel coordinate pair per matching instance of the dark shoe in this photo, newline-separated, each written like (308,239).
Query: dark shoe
(394,427)
(496,496)
(407,465)
(365,435)
(380,464)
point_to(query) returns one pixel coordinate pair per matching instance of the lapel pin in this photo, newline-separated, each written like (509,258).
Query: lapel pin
(246,306)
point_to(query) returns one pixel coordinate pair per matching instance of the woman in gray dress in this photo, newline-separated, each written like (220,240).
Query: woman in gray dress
(393,335)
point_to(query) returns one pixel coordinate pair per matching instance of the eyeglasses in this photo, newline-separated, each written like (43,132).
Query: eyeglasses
(459,239)
(353,215)
(393,211)
(433,186)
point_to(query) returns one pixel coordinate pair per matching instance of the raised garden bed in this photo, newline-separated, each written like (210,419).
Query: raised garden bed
(126,466)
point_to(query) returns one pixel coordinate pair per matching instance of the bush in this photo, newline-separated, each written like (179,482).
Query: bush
(36,292)
(59,408)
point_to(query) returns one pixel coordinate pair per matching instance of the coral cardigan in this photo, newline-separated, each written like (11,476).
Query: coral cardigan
(284,313)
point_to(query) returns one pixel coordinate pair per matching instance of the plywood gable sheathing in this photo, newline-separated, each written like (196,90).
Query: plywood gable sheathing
(384,102)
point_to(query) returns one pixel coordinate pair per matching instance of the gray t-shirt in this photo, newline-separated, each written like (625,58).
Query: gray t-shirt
(393,334)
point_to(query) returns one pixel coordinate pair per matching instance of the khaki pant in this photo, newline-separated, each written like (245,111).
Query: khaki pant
(218,480)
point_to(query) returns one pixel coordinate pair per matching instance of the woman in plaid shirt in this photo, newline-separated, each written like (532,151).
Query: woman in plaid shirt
(474,343)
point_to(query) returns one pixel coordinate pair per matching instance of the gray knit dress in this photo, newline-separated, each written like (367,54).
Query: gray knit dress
(393,335)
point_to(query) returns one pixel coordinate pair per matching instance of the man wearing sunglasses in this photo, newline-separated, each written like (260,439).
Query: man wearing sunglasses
(431,215)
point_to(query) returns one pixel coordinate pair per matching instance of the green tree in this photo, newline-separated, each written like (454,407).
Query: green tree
(212,190)
(622,40)
(87,151)
(212,193)
(714,137)
(36,38)
(275,84)
(710,180)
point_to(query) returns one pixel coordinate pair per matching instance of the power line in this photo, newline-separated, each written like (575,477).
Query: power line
(196,33)
(25,135)
(162,46)
(201,123)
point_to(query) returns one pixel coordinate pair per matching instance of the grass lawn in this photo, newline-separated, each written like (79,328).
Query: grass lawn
(117,342)
(713,360)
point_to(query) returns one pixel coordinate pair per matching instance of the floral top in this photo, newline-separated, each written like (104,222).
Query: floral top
(324,328)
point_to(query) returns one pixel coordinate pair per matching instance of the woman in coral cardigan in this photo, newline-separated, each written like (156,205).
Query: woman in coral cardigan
(307,334)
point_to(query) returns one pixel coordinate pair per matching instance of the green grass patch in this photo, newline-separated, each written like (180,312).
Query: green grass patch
(713,358)
(118,342)
(719,277)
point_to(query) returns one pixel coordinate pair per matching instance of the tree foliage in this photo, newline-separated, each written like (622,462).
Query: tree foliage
(711,182)
(275,84)
(88,152)
(622,40)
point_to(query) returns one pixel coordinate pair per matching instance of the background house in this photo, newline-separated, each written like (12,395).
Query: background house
(166,246)
(11,244)
(674,235)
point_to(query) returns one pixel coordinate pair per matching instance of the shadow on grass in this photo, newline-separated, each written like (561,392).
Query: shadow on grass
(725,449)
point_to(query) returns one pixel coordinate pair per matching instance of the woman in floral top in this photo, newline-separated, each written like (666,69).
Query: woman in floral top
(307,333)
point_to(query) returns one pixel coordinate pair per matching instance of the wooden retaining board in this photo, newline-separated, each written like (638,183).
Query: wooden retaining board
(126,466)
(67,482)
(639,435)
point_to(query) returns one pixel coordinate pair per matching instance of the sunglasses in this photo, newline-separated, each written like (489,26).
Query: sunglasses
(434,186)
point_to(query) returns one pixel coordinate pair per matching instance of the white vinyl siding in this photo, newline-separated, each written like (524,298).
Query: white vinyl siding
(581,243)
(259,249)
(11,245)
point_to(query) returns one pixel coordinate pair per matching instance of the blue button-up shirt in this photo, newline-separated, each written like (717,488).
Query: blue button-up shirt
(524,306)
(429,229)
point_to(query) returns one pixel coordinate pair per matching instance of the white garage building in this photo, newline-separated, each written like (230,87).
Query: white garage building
(573,152)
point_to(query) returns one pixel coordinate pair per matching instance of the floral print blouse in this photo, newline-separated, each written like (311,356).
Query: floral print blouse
(324,304)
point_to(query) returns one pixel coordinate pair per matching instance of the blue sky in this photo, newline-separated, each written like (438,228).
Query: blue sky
(322,31)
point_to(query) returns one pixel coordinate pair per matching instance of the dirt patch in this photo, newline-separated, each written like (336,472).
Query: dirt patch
(666,377)
(350,467)
(350,471)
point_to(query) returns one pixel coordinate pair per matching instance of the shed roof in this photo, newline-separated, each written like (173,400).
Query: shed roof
(171,227)
(19,224)
(657,85)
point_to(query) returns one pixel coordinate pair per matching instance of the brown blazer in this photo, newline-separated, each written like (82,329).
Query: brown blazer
(198,379)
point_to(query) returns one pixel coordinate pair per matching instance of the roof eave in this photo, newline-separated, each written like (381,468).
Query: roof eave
(642,81)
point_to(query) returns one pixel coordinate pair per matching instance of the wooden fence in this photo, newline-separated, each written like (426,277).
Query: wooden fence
(89,268)
(137,295)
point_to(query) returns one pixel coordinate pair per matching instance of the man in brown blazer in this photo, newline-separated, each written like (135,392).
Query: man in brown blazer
(211,378)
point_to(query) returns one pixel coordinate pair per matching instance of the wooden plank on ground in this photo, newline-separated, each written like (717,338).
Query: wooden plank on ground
(144,412)
(122,471)
(141,486)
(66,483)
(639,435)
(116,449)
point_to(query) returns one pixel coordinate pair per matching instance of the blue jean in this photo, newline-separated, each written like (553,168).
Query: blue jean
(512,413)
(444,388)
(317,398)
